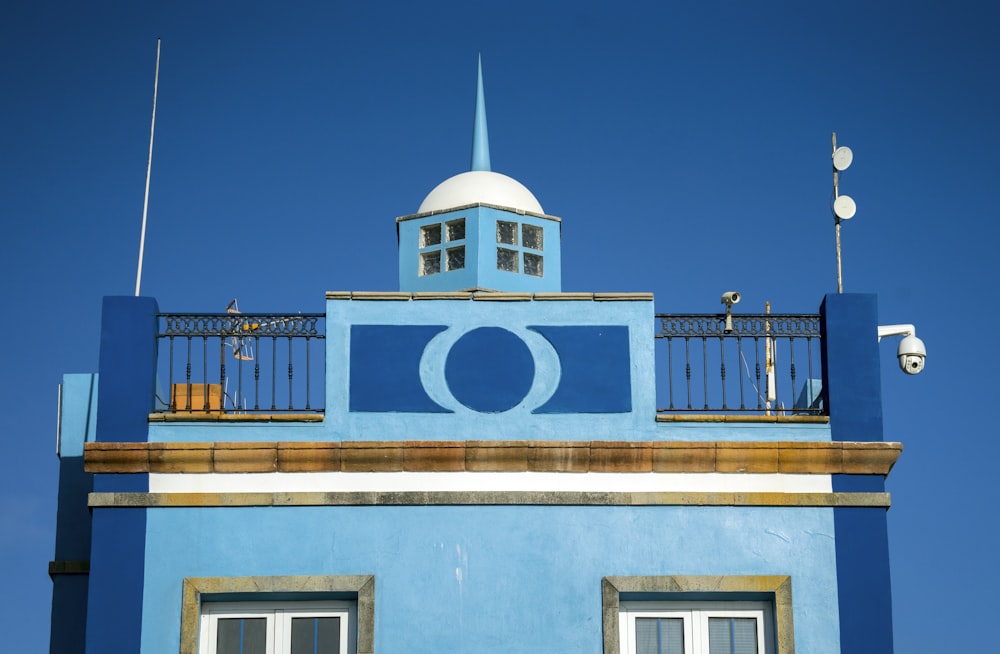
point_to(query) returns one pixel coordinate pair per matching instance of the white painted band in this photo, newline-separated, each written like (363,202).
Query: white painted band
(329,482)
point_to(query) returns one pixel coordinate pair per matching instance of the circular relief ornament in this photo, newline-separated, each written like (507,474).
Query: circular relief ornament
(490,370)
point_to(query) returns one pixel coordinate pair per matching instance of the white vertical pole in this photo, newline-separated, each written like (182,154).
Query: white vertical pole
(149,166)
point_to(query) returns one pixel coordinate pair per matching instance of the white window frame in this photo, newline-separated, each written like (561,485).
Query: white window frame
(279,617)
(695,616)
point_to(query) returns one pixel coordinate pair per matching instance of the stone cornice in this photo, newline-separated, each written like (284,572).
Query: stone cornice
(868,458)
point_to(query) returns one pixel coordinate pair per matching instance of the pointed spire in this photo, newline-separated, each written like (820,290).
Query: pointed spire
(480,137)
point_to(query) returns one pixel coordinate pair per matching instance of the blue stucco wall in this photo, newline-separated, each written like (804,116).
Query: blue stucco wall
(619,335)
(491,578)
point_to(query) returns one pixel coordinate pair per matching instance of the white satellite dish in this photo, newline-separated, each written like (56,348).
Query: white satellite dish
(842,158)
(844,207)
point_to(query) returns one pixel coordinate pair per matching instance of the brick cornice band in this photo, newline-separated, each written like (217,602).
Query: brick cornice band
(869,458)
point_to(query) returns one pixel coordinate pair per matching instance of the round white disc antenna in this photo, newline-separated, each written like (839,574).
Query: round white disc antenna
(844,207)
(842,158)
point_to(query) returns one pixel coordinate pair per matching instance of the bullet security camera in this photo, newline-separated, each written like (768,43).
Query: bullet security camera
(912,354)
(911,351)
(729,298)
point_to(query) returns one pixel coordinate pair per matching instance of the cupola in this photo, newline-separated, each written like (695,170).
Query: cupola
(479,230)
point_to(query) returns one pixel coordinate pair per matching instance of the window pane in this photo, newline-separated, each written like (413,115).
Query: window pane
(532,264)
(531,237)
(430,263)
(456,258)
(241,636)
(659,636)
(315,636)
(507,259)
(506,232)
(430,235)
(456,229)
(732,636)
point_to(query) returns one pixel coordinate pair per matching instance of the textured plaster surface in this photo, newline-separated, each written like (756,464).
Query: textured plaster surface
(491,578)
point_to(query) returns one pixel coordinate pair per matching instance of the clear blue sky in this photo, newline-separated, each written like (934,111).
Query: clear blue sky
(685,145)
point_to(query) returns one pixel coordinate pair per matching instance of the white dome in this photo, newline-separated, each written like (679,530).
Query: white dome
(480,186)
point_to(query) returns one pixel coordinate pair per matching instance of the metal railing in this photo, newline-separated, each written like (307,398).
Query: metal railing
(759,362)
(240,363)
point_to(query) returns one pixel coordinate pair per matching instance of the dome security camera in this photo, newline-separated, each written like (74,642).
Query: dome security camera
(912,355)
(911,351)
(730,297)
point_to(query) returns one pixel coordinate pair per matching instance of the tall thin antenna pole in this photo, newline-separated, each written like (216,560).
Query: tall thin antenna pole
(149,167)
(836,194)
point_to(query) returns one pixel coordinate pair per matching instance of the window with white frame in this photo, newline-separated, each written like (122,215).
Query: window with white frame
(697,614)
(696,628)
(313,614)
(324,627)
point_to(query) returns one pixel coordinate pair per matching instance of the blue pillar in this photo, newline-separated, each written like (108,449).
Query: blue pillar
(127,388)
(852,379)
(127,368)
(852,387)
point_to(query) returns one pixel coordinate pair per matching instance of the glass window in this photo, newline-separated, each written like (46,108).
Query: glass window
(455,259)
(455,229)
(533,264)
(736,627)
(506,232)
(659,635)
(241,636)
(430,263)
(279,628)
(507,260)
(732,635)
(531,237)
(430,235)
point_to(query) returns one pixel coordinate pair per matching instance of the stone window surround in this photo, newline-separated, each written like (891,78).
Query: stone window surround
(359,587)
(778,588)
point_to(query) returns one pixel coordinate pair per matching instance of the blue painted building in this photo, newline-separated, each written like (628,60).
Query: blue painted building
(477,462)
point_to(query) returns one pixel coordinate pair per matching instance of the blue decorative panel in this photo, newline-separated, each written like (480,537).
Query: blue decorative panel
(596,369)
(385,368)
(490,370)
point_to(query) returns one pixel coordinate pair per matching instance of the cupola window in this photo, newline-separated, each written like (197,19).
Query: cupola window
(531,236)
(527,256)
(506,232)
(507,260)
(430,235)
(432,254)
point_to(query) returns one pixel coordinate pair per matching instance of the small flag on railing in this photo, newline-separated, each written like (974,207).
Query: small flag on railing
(242,347)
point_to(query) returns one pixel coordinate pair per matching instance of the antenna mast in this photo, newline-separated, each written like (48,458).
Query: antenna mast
(836,194)
(843,205)
(149,166)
